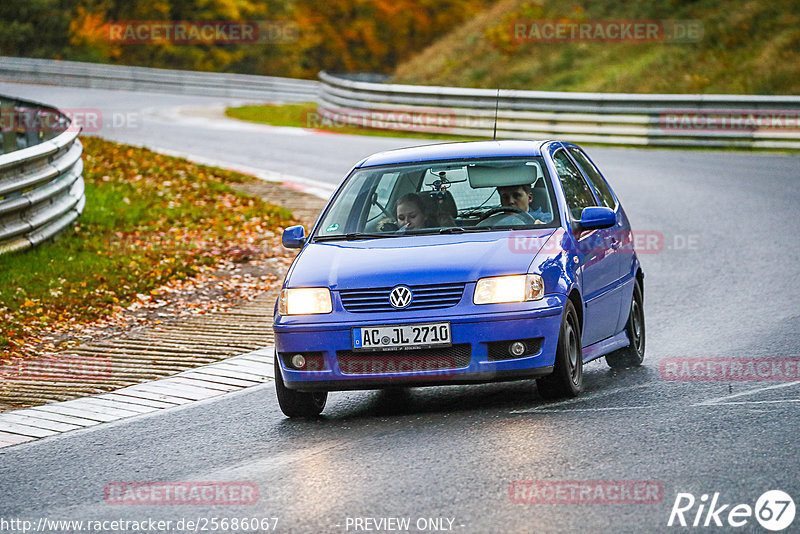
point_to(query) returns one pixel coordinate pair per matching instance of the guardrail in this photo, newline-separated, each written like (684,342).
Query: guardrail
(103,76)
(41,183)
(750,121)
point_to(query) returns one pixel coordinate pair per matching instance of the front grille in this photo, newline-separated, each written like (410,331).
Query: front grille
(426,297)
(405,361)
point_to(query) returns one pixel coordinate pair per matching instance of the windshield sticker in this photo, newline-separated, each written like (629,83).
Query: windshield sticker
(332,228)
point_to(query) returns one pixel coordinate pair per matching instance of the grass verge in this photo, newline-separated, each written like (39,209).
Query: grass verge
(149,220)
(305,115)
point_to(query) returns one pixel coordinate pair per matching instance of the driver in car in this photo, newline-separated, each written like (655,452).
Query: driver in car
(521,197)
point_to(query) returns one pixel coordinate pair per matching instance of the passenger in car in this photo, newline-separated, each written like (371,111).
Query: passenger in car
(412,213)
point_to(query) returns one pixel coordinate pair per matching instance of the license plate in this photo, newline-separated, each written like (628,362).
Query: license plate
(402,337)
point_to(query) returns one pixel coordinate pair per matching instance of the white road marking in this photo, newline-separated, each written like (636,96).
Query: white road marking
(753,391)
(607,409)
(779,401)
(599,394)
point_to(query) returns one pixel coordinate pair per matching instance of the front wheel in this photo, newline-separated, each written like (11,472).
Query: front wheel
(567,377)
(298,403)
(633,354)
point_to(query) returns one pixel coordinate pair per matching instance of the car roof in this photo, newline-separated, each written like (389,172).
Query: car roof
(449,151)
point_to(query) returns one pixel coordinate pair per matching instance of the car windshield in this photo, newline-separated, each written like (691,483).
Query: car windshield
(441,197)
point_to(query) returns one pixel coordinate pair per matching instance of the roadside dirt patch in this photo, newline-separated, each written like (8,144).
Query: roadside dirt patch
(217,314)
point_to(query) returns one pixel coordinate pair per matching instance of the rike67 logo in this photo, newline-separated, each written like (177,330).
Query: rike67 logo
(774,510)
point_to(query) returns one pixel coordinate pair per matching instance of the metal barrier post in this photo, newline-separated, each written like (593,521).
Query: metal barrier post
(7,111)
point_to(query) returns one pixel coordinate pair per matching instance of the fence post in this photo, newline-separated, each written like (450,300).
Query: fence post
(7,126)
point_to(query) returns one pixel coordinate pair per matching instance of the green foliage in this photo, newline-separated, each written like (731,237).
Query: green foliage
(748,47)
(23,23)
(339,35)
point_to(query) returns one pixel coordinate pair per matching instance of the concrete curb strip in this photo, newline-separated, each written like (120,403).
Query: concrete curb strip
(212,380)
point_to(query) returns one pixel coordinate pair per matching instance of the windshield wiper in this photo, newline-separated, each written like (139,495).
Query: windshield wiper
(462,230)
(356,235)
(451,230)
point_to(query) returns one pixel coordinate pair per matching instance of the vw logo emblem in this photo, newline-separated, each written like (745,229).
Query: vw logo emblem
(400,297)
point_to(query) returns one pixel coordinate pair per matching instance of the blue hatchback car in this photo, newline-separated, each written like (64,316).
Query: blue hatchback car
(460,263)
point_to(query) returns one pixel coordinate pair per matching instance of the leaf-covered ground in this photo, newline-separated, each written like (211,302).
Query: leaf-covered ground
(157,233)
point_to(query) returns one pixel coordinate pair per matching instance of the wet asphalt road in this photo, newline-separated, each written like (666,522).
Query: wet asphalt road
(722,284)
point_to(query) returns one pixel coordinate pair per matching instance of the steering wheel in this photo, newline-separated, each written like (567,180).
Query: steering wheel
(503,209)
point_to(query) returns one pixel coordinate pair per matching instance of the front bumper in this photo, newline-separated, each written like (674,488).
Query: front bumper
(473,332)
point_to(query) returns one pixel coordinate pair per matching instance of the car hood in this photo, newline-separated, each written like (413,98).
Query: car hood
(415,260)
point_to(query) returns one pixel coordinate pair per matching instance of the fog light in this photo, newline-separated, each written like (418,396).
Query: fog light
(298,361)
(516,348)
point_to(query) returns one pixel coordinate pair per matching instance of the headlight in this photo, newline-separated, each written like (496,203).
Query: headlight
(305,301)
(514,288)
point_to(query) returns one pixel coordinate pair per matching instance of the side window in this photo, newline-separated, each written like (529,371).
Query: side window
(576,190)
(591,172)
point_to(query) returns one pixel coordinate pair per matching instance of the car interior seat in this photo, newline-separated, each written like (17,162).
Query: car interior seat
(444,205)
(541,199)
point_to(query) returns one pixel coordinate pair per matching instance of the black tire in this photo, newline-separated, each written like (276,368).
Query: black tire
(633,354)
(567,377)
(298,403)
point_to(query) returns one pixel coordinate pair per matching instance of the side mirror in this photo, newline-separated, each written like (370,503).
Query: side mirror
(596,217)
(294,237)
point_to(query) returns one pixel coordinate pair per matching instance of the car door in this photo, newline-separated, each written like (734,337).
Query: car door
(622,239)
(598,264)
